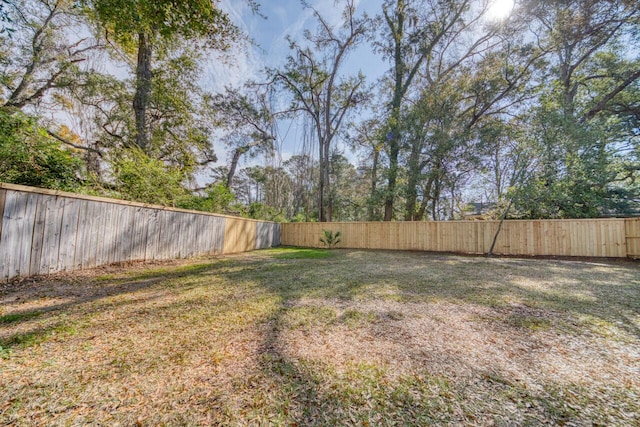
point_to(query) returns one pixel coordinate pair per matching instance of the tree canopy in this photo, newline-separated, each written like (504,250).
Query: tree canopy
(534,113)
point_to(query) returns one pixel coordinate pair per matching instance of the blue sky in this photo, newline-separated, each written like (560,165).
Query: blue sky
(269,32)
(287,17)
(282,18)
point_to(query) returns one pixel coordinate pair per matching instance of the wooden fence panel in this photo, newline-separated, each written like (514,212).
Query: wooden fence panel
(182,234)
(264,235)
(139,233)
(151,248)
(8,239)
(94,214)
(44,231)
(589,237)
(48,262)
(37,240)
(239,236)
(67,245)
(217,230)
(3,198)
(17,233)
(84,221)
(277,234)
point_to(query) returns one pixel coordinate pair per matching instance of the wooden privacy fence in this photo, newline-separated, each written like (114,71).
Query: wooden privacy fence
(43,231)
(581,237)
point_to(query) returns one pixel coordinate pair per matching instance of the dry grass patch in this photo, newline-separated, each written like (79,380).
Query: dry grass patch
(306,337)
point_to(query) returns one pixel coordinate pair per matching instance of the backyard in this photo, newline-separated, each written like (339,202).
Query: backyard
(301,337)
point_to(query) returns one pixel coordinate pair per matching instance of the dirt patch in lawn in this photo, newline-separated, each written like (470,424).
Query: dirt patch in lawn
(285,337)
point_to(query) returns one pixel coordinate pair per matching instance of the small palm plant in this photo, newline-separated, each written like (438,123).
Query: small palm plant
(330,239)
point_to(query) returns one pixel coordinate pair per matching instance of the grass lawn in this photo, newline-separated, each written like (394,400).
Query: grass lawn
(298,337)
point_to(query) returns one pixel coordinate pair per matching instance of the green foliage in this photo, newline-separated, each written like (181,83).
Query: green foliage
(168,20)
(144,179)
(217,198)
(177,132)
(29,156)
(348,190)
(575,165)
(257,210)
(300,217)
(330,238)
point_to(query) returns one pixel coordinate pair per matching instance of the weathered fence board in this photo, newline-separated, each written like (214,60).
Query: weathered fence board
(67,245)
(24,218)
(587,237)
(267,235)
(217,229)
(43,231)
(3,197)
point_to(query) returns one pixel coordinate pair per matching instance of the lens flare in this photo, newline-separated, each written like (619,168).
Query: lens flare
(500,9)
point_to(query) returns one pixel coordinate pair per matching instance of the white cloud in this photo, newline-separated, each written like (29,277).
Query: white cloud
(220,72)
(287,18)
(241,63)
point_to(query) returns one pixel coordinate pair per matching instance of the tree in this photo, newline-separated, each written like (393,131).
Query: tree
(247,121)
(449,69)
(39,55)
(349,190)
(303,172)
(216,198)
(178,126)
(313,76)
(413,31)
(444,132)
(367,137)
(150,28)
(576,123)
(145,179)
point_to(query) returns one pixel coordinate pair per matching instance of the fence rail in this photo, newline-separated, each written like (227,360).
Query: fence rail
(44,231)
(614,237)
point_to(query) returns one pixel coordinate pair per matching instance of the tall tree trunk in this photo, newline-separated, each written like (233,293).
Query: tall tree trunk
(374,181)
(327,188)
(425,200)
(394,151)
(412,182)
(234,164)
(393,138)
(410,205)
(143,91)
(435,200)
(321,189)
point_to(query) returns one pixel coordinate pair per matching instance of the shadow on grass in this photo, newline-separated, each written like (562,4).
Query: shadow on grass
(307,399)
(600,291)
(94,294)
(582,288)
(312,394)
(305,393)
